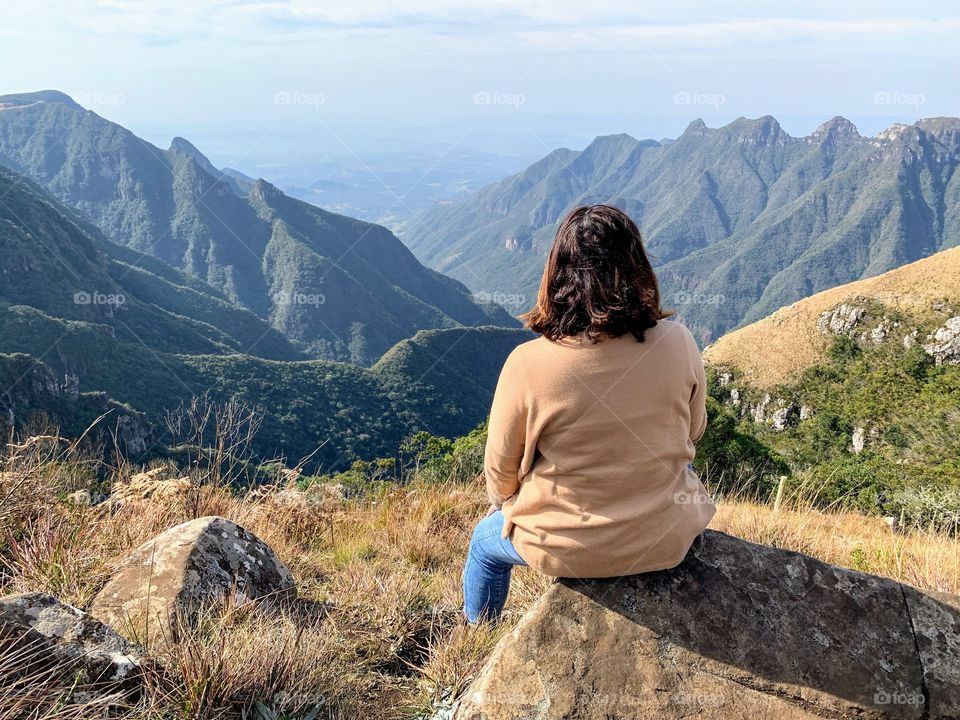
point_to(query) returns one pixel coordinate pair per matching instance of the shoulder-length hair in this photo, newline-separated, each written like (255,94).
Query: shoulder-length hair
(598,280)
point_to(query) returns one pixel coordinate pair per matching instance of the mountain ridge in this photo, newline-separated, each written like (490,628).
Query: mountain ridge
(741,219)
(104,328)
(362,289)
(777,348)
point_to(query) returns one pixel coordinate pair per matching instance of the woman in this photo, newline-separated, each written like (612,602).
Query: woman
(593,424)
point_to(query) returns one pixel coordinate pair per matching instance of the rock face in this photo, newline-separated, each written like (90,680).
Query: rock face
(842,320)
(44,632)
(194,566)
(736,631)
(945,345)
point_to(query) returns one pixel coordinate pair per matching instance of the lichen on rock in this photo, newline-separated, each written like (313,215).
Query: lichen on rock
(192,568)
(736,631)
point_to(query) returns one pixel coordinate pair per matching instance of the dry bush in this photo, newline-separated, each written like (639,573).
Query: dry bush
(926,560)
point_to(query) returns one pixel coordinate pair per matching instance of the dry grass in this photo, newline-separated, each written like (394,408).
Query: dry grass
(925,560)
(377,632)
(778,348)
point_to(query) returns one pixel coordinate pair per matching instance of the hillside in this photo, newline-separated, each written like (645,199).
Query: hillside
(742,219)
(778,348)
(427,374)
(857,389)
(338,288)
(376,632)
(94,319)
(54,263)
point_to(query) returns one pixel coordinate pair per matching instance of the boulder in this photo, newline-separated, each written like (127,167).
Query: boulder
(736,631)
(945,345)
(196,566)
(842,320)
(44,634)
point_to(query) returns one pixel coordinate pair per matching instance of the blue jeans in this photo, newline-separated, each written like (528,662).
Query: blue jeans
(486,575)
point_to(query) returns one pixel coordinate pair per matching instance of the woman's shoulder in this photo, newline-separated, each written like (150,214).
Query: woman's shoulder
(673,329)
(530,349)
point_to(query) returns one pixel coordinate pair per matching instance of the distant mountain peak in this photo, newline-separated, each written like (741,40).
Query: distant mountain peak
(899,131)
(945,129)
(47,96)
(181,144)
(185,147)
(697,128)
(763,131)
(939,124)
(835,128)
(264,191)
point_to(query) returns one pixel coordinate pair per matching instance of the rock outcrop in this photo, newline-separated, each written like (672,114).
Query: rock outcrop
(944,347)
(738,631)
(195,566)
(47,635)
(841,320)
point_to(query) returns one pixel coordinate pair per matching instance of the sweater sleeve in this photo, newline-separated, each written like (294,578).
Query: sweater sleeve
(698,396)
(506,436)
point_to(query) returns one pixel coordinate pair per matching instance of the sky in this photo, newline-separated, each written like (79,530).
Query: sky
(262,80)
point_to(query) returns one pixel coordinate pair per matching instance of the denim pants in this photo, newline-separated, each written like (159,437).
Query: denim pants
(486,575)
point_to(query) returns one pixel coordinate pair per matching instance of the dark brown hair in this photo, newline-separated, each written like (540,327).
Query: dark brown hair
(598,280)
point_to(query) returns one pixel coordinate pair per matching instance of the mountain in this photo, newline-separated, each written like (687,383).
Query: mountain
(777,349)
(338,288)
(88,327)
(54,263)
(741,219)
(857,389)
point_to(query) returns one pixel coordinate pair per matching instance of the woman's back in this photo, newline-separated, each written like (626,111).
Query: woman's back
(607,433)
(593,424)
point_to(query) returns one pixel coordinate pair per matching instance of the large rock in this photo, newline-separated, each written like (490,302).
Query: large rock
(737,631)
(945,345)
(196,566)
(44,634)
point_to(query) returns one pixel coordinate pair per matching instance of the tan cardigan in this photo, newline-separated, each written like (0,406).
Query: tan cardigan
(588,450)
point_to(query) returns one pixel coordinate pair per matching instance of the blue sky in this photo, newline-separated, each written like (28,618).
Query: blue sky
(259,76)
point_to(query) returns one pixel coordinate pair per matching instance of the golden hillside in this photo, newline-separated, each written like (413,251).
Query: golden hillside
(777,348)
